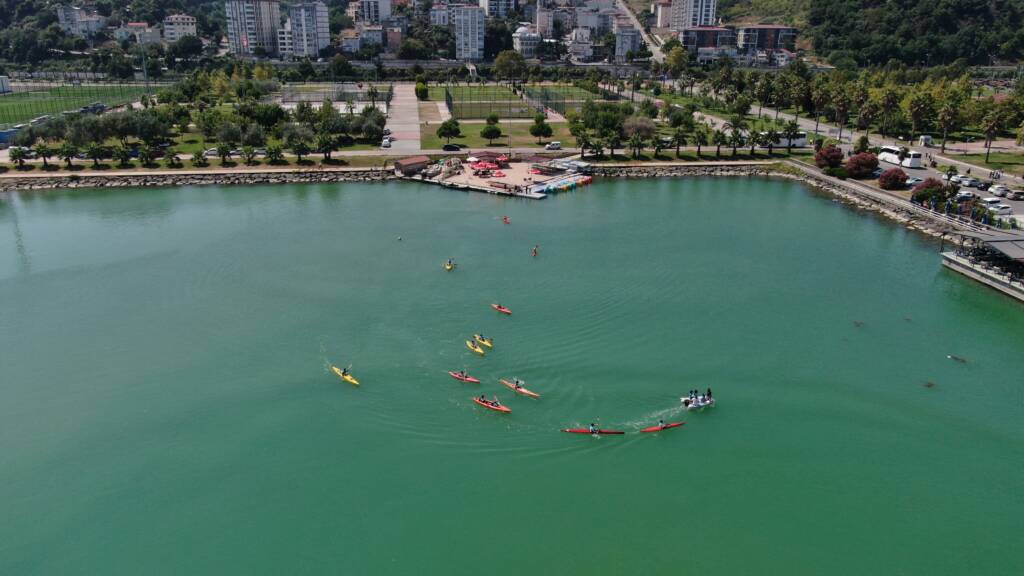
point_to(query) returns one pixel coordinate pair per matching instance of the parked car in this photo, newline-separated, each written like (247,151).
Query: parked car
(999,190)
(877,173)
(969,181)
(385,144)
(451,148)
(1015,195)
(1002,210)
(965,195)
(387,131)
(210,153)
(991,201)
(914,181)
(553,145)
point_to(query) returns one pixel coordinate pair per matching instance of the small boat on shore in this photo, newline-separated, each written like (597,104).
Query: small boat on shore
(517,387)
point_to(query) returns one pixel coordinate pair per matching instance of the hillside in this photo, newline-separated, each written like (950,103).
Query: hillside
(915,32)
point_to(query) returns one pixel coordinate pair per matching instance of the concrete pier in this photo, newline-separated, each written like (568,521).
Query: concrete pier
(988,276)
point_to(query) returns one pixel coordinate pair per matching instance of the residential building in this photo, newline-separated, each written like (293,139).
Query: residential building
(692,13)
(439,15)
(525,41)
(371,34)
(80,21)
(375,10)
(767,37)
(468,22)
(177,26)
(141,32)
(707,37)
(393,36)
(544,19)
(286,40)
(252,26)
(627,40)
(580,46)
(498,8)
(351,42)
(308,29)
(662,10)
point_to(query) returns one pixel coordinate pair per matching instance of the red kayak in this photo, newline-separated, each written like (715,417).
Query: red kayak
(495,407)
(665,427)
(466,378)
(587,431)
(501,309)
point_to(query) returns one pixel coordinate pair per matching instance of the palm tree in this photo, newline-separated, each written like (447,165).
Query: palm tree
(990,125)
(325,144)
(224,151)
(735,139)
(300,148)
(373,94)
(199,159)
(18,155)
(67,153)
(679,139)
(719,139)
(95,151)
(790,132)
(636,142)
(700,138)
(122,155)
(274,154)
(248,155)
(146,154)
(45,152)
(173,159)
(948,116)
(582,141)
(771,138)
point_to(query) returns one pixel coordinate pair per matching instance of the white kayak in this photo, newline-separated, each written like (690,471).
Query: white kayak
(697,404)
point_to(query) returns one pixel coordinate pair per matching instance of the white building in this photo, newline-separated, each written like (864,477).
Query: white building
(544,20)
(662,10)
(468,22)
(252,26)
(525,41)
(376,10)
(80,21)
(498,8)
(627,39)
(140,31)
(692,13)
(308,31)
(439,15)
(177,26)
(580,45)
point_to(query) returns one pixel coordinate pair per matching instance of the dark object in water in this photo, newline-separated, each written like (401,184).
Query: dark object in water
(929,384)
(908,318)
(957,358)
(858,323)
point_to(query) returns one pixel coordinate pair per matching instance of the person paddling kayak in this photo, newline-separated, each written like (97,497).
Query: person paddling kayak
(593,429)
(535,248)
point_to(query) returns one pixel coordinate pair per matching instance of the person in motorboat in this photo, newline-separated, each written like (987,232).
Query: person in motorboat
(593,429)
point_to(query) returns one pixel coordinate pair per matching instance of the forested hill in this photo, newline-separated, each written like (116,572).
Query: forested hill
(911,31)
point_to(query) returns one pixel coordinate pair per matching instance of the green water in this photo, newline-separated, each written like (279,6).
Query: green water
(166,408)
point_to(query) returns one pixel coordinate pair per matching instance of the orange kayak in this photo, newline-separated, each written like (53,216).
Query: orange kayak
(501,309)
(495,407)
(520,389)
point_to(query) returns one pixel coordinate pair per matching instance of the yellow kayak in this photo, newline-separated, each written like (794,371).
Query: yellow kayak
(449,267)
(489,342)
(346,377)
(472,346)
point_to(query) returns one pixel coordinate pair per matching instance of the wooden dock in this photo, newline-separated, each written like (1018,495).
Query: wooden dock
(523,193)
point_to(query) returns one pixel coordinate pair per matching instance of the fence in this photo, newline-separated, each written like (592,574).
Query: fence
(29,100)
(566,98)
(316,92)
(480,101)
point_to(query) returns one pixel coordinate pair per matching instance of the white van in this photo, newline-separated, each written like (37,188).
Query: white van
(553,145)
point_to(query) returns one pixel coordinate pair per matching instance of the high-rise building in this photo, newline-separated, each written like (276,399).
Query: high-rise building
(252,26)
(306,32)
(692,13)
(375,10)
(177,26)
(468,22)
(498,8)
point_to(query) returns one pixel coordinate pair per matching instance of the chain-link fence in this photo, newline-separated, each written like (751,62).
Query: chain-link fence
(480,101)
(564,99)
(34,99)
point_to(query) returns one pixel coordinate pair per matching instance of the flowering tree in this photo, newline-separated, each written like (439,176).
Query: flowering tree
(829,157)
(893,179)
(861,165)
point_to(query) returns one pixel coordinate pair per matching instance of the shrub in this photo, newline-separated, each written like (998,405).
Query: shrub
(829,157)
(862,145)
(861,165)
(932,188)
(838,172)
(893,179)
(421,91)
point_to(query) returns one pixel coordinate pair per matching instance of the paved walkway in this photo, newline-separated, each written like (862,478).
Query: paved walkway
(404,120)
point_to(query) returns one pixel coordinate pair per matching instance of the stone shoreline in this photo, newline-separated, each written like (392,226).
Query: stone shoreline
(14,184)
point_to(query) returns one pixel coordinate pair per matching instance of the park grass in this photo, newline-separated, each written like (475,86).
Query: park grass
(472,92)
(1009,162)
(19,107)
(520,132)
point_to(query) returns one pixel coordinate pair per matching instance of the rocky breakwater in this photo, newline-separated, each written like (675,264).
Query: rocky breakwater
(17,184)
(698,170)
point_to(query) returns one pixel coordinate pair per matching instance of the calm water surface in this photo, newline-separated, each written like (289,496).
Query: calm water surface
(166,405)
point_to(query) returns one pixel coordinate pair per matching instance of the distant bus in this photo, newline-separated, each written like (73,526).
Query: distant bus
(891,154)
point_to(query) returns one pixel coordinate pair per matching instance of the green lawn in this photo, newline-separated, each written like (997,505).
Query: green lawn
(1009,162)
(471,136)
(472,92)
(20,107)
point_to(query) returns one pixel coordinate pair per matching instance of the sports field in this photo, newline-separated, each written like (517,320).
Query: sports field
(469,102)
(28,102)
(563,98)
